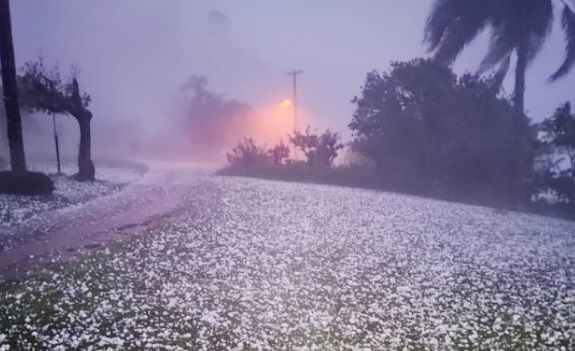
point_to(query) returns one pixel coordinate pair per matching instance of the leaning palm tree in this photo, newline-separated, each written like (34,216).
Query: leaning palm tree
(10,91)
(518,27)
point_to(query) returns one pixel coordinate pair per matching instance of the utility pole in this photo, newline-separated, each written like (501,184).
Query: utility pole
(294,75)
(56,143)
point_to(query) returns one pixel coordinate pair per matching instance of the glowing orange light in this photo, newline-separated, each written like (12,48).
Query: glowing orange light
(286,103)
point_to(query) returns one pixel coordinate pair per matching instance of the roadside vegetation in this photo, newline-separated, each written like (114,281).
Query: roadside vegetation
(420,129)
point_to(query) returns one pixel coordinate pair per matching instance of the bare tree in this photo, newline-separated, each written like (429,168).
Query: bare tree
(45,91)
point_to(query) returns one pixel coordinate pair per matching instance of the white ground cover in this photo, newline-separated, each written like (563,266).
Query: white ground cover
(261,265)
(14,209)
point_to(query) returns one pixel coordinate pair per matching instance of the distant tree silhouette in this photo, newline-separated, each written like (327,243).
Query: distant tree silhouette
(558,141)
(10,91)
(428,130)
(318,149)
(212,121)
(559,132)
(248,154)
(45,90)
(517,27)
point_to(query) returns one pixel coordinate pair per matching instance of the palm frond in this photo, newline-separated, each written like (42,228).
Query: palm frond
(461,33)
(540,22)
(502,44)
(518,23)
(452,24)
(568,23)
(501,73)
(440,19)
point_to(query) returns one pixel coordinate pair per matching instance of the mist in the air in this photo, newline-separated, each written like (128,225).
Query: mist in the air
(136,57)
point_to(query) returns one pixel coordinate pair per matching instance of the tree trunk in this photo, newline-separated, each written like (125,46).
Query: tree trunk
(520,71)
(86,169)
(10,89)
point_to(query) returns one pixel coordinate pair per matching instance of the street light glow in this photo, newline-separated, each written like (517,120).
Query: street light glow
(286,103)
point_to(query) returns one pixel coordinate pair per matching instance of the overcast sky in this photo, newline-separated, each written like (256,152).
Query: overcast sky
(134,54)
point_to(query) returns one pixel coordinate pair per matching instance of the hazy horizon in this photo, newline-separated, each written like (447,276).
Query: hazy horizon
(134,55)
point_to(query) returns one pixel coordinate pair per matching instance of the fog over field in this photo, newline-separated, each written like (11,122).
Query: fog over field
(135,54)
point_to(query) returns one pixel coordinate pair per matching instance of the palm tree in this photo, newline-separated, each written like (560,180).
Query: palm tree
(518,27)
(10,91)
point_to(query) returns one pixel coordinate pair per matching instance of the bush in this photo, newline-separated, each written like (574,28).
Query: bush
(248,154)
(319,150)
(352,175)
(29,183)
(280,153)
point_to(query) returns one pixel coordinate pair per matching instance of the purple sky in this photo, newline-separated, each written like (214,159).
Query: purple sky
(135,54)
